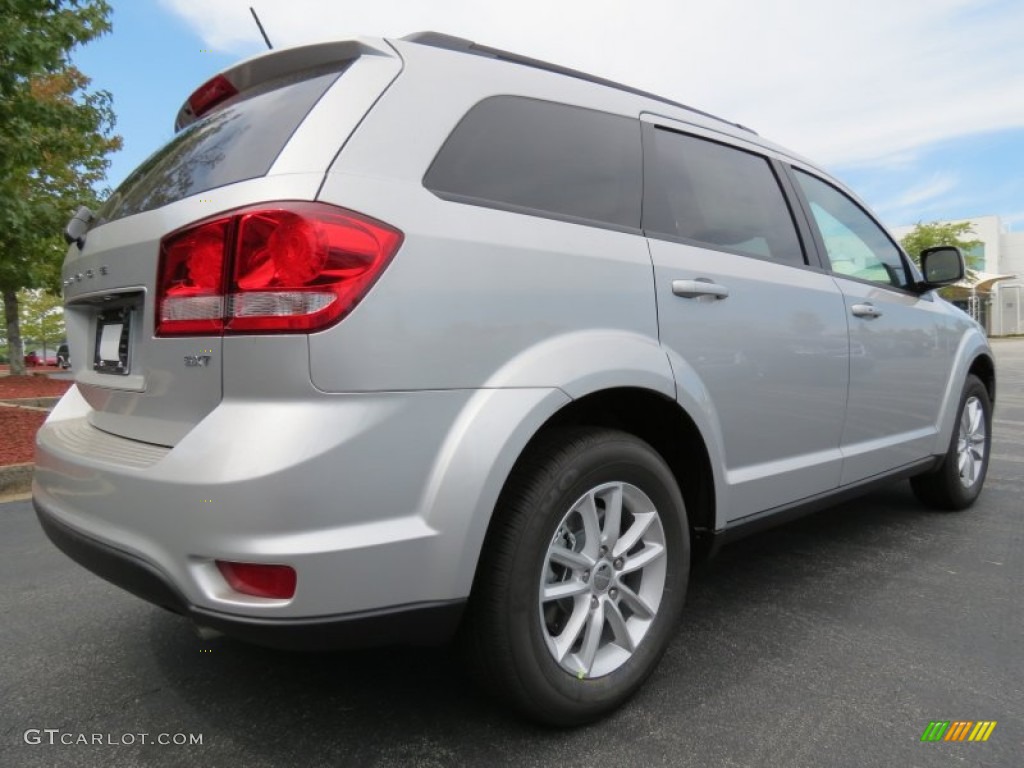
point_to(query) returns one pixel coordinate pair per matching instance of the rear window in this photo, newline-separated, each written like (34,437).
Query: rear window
(544,159)
(239,142)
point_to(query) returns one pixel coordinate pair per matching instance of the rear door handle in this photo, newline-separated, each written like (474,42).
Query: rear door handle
(694,289)
(866,310)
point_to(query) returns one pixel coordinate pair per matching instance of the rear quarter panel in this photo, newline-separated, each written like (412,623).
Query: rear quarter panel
(471,288)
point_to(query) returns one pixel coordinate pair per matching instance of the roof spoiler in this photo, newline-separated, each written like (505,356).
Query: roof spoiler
(269,66)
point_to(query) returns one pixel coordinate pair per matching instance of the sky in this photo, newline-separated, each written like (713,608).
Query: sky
(917,105)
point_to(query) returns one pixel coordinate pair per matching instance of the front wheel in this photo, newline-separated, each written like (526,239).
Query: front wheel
(956,483)
(582,577)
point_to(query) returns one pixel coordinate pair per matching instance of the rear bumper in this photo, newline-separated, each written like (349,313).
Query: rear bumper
(420,624)
(379,501)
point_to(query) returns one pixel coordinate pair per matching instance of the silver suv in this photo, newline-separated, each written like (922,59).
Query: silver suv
(398,340)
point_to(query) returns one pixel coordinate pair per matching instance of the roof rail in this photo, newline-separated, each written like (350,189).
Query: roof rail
(452,43)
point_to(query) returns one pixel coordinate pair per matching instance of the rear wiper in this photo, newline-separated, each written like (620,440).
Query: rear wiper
(75,231)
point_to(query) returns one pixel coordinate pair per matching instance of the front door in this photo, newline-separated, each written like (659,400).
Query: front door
(902,343)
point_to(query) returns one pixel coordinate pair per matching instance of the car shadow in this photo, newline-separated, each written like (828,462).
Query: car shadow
(418,698)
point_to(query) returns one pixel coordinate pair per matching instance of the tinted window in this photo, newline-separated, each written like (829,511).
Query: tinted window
(856,245)
(545,159)
(236,143)
(708,194)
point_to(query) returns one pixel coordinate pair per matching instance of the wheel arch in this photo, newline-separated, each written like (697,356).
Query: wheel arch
(974,356)
(667,428)
(568,381)
(985,369)
(657,420)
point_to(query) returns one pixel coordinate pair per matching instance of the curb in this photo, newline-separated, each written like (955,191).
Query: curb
(46,403)
(16,478)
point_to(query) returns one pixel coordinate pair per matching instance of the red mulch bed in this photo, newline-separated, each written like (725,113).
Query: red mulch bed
(18,427)
(31,386)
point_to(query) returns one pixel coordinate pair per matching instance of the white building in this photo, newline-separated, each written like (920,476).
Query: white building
(1000,303)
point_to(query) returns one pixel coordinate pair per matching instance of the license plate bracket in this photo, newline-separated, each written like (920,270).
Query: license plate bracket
(113,342)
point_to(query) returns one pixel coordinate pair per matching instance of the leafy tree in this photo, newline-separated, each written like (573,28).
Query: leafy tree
(41,319)
(55,135)
(939,233)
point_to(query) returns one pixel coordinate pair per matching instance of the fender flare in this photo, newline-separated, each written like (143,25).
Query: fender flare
(973,345)
(480,451)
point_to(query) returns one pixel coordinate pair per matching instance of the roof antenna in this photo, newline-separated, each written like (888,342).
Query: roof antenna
(262,31)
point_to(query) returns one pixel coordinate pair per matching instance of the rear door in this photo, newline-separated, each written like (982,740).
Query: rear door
(271,141)
(902,343)
(743,308)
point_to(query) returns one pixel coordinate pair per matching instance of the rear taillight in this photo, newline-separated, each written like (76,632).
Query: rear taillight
(190,281)
(273,268)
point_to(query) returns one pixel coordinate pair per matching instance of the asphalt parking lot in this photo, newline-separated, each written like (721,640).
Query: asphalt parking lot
(831,641)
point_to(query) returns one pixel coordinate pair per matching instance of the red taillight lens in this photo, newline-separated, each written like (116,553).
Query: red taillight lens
(304,267)
(210,94)
(290,267)
(190,296)
(259,579)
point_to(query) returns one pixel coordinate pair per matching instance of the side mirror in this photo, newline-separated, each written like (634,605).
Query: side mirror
(942,265)
(75,231)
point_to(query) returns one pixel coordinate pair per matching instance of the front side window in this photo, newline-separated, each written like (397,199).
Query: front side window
(708,194)
(857,247)
(544,159)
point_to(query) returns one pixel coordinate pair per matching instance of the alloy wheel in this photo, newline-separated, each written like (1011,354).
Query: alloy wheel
(602,580)
(970,445)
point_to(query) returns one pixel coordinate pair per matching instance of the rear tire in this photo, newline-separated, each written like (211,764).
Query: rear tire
(956,483)
(582,577)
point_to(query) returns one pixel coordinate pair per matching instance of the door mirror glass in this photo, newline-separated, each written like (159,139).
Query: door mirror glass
(942,265)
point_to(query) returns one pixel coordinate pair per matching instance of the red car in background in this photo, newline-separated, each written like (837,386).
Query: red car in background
(37,357)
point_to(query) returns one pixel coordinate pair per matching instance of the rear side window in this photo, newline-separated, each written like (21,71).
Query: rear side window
(238,142)
(544,159)
(705,193)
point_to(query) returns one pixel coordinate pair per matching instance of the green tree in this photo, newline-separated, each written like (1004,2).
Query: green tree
(41,320)
(928,235)
(55,136)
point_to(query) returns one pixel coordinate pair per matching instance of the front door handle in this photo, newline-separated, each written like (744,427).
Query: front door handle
(694,289)
(866,310)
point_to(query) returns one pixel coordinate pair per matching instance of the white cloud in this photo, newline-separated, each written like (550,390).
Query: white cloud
(917,197)
(844,83)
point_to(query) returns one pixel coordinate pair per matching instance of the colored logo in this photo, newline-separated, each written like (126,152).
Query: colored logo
(958,730)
